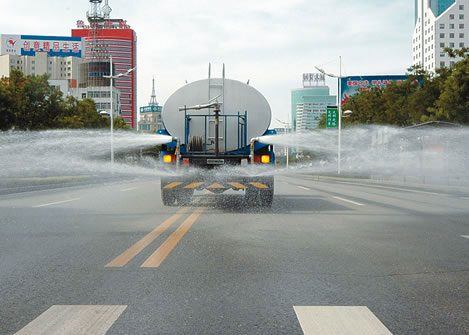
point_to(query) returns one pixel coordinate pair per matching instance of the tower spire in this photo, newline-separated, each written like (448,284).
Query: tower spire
(106,9)
(153,101)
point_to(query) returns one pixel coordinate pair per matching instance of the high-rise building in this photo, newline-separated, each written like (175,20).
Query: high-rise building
(309,103)
(439,24)
(106,37)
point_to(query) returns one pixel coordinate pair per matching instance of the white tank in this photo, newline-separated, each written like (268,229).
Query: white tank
(235,96)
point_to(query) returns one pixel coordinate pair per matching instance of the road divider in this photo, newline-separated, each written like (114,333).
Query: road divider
(165,249)
(134,250)
(339,320)
(349,201)
(56,203)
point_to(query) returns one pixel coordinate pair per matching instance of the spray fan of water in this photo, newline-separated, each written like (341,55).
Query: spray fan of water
(366,151)
(72,152)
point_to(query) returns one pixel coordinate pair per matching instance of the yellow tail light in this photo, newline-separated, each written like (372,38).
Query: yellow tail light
(167,159)
(265,159)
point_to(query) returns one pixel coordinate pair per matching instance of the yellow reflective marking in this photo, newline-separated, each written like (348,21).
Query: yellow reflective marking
(216,186)
(173,185)
(259,185)
(194,185)
(238,185)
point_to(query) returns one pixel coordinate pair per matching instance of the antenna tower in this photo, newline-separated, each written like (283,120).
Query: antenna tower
(96,48)
(153,101)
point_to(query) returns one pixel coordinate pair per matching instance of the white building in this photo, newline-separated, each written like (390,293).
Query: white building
(58,68)
(439,24)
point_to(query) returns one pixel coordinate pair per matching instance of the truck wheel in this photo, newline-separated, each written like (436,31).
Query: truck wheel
(168,197)
(266,197)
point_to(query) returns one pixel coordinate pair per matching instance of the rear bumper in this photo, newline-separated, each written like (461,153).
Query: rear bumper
(217,184)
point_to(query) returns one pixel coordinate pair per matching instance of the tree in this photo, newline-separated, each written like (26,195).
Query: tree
(7,118)
(453,103)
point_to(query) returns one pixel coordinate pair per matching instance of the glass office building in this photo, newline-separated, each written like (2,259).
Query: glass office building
(308,104)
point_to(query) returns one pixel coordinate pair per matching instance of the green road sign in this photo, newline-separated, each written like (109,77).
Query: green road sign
(332,117)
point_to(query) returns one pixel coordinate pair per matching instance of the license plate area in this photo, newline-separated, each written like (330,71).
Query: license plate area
(215,161)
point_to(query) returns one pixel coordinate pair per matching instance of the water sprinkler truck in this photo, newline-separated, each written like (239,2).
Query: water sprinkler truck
(215,124)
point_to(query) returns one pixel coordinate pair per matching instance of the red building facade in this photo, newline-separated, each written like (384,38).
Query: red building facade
(116,38)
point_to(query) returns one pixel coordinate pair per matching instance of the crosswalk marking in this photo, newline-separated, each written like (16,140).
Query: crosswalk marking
(74,320)
(339,320)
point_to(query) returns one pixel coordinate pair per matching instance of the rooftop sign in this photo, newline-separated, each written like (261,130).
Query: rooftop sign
(28,45)
(313,78)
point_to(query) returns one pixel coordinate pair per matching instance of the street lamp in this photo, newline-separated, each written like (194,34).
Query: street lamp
(111,77)
(339,77)
(285,124)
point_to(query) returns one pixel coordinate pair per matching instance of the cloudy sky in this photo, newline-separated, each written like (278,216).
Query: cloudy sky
(269,42)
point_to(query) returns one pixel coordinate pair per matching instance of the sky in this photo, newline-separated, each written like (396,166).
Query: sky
(269,42)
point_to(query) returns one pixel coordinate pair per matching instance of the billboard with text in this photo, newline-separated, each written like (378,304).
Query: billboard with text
(356,84)
(28,45)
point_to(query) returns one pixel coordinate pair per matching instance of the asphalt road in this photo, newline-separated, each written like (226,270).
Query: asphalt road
(110,258)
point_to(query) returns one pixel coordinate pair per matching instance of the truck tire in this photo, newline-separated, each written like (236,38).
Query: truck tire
(168,197)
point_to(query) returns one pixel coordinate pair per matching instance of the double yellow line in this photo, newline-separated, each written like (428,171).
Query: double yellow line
(165,249)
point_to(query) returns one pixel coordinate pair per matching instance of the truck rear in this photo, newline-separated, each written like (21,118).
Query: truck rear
(214,124)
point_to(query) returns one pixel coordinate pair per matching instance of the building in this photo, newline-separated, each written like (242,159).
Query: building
(57,56)
(309,103)
(439,24)
(106,37)
(150,116)
(61,58)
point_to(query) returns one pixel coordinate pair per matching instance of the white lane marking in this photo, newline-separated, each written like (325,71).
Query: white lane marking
(349,201)
(465,236)
(56,203)
(338,320)
(304,188)
(74,320)
(394,188)
(128,189)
